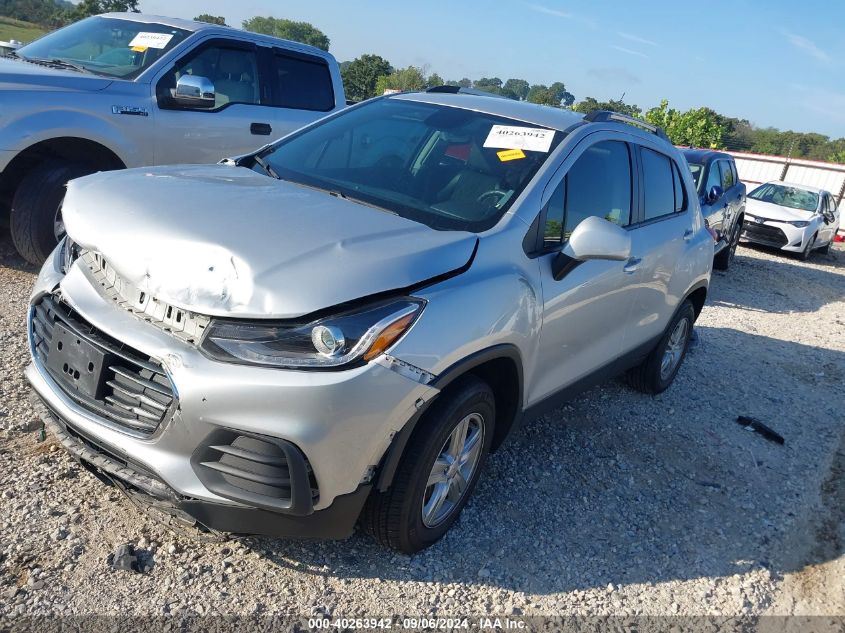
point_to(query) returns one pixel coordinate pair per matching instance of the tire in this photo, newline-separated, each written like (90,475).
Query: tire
(723,260)
(36,205)
(395,517)
(824,250)
(650,377)
(808,249)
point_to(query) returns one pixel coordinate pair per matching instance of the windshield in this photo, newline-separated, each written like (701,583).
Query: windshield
(696,170)
(105,46)
(786,196)
(449,168)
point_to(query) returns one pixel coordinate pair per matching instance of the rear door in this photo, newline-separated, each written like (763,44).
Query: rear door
(661,242)
(300,87)
(241,119)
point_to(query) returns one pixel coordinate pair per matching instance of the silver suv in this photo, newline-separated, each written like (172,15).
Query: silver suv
(127,90)
(343,325)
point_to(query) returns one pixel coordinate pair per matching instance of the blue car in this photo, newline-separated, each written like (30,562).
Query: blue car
(722,198)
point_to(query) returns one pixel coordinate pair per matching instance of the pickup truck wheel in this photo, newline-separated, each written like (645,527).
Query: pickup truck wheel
(723,260)
(660,367)
(36,223)
(438,471)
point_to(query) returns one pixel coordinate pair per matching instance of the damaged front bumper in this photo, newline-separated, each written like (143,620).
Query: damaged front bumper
(240,449)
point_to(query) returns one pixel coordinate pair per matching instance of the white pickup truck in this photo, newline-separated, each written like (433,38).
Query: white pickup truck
(129,90)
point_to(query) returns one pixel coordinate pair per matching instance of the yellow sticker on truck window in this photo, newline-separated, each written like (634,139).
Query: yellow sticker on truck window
(510,154)
(138,49)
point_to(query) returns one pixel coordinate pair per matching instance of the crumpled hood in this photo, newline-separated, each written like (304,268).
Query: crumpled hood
(227,241)
(22,75)
(775,212)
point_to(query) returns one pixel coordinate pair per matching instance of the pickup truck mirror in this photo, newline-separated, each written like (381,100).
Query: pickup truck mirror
(195,91)
(714,194)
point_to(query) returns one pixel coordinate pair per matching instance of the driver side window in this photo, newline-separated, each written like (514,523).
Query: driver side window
(599,184)
(714,178)
(232,70)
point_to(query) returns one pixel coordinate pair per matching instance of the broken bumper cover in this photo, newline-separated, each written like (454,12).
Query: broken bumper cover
(321,435)
(334,522)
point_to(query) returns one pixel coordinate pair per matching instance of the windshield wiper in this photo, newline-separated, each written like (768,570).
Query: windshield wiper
(59,63)
(266,167)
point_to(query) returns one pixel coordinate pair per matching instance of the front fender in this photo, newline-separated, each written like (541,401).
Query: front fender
(37,124)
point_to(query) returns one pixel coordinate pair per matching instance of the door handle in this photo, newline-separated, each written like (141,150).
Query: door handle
(632,265)
(688,235)
(261,129)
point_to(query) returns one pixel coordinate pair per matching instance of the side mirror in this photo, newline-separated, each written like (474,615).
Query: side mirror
(714,194)
(195,91)
(593,238)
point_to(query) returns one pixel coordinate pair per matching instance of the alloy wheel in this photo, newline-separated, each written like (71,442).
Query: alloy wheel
(453,469)
(675,347)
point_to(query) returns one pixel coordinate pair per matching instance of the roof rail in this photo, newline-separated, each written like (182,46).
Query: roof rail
(603,116)
(464,91)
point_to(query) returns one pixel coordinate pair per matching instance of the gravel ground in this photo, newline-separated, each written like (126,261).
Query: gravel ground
(617,503)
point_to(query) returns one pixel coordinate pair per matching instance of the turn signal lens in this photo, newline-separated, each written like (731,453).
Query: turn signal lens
(389,335)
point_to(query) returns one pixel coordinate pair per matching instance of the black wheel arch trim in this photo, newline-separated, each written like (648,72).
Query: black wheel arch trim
(393,454)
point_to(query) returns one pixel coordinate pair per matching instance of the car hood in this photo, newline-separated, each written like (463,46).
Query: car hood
(776,212)
(16,74)
(227,241)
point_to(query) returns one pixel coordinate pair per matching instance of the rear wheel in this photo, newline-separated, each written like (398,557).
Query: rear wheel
(36,219)
(438,471)
(660,367)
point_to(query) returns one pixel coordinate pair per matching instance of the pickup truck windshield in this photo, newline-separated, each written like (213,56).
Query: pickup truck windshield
(786,196)
(446,167)
(104,46)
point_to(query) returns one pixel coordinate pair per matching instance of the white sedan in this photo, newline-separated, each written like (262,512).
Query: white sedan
(795,218)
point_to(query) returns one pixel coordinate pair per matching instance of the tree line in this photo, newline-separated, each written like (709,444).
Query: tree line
(370,75)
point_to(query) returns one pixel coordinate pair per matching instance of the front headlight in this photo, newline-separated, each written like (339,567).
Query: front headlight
(344,339)
(800,224)
(70,253)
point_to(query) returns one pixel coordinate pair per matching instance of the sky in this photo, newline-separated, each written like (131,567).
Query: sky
(774,62)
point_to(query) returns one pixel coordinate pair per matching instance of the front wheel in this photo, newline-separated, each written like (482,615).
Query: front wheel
(438,472)
(808,249)
(660,367)
(36,218)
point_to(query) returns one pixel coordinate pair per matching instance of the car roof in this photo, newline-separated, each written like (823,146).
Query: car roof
(195,27)
(544,116)
(700,155)
(795,185)
(176,23)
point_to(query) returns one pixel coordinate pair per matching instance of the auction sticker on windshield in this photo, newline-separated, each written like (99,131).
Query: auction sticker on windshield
(150,40)
(532,139)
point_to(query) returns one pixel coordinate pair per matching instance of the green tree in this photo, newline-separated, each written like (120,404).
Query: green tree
(614,105)
(519,87)
(361,74)
(563,96)
(211,19)
(699,127)
(88,8)
(288,30)
(434,80)
(405,79)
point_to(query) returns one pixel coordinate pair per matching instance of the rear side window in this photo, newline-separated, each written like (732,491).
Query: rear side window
(302,82)
(680,196)
(598,184)
(658,184)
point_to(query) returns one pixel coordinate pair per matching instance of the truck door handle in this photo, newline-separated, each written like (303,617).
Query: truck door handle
(261,129)
(632,265)
(687,235)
